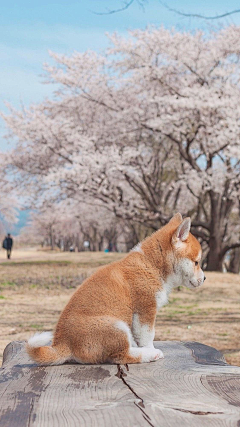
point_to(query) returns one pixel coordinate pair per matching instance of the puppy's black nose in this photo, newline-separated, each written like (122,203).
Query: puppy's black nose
(204,278)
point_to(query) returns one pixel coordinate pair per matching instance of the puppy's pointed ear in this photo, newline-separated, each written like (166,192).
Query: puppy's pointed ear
(177,218)
(182,232)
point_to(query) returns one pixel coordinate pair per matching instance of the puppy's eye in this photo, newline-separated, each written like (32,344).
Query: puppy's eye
(196,262)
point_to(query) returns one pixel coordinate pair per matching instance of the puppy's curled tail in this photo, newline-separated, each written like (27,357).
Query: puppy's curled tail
(46,355)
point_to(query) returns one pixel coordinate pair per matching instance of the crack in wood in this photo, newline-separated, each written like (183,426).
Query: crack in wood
(140,405)
(30,412)
(145,416)
(197,412)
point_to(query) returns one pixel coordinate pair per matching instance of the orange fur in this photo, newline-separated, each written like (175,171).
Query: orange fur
(89,330)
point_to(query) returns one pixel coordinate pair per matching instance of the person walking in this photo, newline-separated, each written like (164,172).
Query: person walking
(8,244)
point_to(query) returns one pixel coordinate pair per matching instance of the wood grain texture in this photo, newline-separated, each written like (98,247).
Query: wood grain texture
(191,386)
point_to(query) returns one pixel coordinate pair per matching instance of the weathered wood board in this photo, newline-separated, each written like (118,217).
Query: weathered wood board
(192,386)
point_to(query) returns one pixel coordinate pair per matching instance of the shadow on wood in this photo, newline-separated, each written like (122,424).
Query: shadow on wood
(191,386)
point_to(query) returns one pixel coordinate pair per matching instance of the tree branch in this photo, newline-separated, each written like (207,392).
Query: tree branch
(121,9)
(201,224)
(228,247)
(198,15)
(198,233)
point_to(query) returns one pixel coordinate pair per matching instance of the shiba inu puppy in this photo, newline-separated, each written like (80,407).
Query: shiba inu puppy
(111,316)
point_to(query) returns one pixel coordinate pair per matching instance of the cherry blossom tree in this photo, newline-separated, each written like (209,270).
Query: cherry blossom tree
(147,129)
(199,114)
(68,224)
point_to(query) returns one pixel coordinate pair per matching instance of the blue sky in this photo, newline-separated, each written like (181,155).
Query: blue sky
(28,29)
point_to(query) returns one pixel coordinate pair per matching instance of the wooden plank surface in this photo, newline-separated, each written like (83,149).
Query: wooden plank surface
(191,386)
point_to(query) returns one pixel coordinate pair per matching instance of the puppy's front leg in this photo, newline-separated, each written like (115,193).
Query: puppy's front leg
(143,333)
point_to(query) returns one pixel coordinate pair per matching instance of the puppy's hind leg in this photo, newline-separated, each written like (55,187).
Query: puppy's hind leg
(104,339)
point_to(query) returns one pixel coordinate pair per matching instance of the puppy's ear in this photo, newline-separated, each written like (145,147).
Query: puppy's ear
(176,219)
(182,232)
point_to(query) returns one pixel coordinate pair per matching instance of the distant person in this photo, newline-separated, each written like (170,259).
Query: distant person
(8,244)
(86,245)
(110,247)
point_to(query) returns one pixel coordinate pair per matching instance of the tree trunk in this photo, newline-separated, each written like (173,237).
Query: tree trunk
(214,261)
(214,258)
(51,239)
(130,244)
(100,244)
(234,266)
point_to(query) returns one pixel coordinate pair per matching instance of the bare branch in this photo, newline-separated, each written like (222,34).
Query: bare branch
(200,224)
(201,235)
(197,15)
(228,247)
(111,12)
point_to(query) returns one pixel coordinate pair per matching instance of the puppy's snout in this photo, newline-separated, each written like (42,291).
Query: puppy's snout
(204,278)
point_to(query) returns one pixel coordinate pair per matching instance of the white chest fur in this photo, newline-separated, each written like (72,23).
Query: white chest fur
(162,295)
(161,298)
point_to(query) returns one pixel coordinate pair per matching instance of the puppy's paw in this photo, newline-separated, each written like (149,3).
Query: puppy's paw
(158,355)
(151,354)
